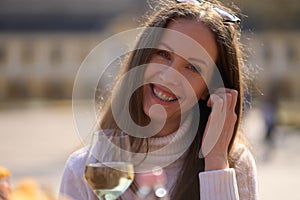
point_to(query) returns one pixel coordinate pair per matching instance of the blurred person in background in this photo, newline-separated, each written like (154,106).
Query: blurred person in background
(270,115)
(269,109)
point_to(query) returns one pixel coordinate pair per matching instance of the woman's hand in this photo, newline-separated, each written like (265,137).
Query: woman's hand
(219,129)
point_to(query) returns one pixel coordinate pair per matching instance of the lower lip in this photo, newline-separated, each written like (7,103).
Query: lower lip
(159,100)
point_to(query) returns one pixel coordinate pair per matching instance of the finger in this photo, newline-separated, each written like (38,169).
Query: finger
(217,103)
(231,99)
(224,93)
(228,100)
(234,94)
(219,91)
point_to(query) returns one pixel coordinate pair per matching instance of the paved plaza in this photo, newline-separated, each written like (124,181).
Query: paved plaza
(36,139)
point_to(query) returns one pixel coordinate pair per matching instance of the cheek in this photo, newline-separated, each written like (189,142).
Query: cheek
(197,88)
(146,71)
(149,72)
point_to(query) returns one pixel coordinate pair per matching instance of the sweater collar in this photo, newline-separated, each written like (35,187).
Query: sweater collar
(165,150)
(173,137)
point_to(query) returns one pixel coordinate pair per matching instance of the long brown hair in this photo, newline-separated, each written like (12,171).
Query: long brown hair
(229,63)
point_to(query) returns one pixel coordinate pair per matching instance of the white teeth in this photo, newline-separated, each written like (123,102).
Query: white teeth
(162,96)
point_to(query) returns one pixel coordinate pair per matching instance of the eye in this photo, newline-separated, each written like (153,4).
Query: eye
(164,54)
(195,68)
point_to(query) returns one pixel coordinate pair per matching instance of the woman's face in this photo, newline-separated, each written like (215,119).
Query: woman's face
(179,69)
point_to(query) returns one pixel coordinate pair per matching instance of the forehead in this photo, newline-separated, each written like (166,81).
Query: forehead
(190,38)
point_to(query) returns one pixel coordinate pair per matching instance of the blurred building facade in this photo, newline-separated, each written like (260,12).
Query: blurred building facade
(43,43)
(276,56)
(41,65)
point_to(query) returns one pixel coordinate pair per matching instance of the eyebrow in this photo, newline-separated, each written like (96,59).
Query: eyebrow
(188,59)
(167,46)
(198,60)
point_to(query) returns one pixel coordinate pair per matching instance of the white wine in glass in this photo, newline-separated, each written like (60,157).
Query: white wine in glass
(109,171)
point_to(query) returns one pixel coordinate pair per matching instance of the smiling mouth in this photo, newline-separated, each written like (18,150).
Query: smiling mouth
(161,95)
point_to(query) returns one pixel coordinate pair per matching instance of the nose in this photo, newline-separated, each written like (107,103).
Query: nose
(171,73)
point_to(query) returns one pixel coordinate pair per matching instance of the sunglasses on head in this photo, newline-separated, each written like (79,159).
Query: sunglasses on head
(227,17)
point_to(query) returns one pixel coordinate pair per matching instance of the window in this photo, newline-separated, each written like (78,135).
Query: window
(292,53)
(56,55)
(3,54)
(267,51)
(27,52)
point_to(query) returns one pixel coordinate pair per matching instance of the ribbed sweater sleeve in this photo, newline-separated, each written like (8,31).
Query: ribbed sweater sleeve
(235,183)
(218,185)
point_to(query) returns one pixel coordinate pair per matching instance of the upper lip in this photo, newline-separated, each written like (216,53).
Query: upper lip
(165,90)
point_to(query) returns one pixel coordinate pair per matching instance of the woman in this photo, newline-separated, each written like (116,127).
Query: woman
(215,164)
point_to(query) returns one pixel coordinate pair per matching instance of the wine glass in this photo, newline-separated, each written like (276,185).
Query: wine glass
(109,170)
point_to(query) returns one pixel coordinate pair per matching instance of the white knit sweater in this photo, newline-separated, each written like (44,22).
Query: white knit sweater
(239,182)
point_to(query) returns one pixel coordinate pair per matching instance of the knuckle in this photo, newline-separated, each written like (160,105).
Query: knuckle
(234,116)
(228,96)
(216,99)
(234,92)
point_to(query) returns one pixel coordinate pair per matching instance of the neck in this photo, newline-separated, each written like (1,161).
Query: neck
(170,126)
